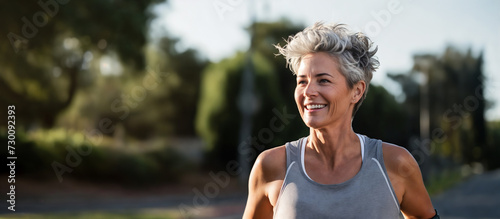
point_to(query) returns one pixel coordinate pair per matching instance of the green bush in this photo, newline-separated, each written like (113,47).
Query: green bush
(37,154)
(32,160)
(493,146)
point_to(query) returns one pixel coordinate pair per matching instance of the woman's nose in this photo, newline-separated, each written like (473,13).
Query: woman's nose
(310,90)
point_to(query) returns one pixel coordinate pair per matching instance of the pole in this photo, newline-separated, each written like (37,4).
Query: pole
(247,106)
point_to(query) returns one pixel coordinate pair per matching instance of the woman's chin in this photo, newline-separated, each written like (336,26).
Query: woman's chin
(313,124)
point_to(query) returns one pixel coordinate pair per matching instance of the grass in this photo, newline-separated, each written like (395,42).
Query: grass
(148,214)
(443,181)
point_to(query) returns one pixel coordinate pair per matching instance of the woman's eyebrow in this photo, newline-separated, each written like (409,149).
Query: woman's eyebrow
(317,75)
(323,74)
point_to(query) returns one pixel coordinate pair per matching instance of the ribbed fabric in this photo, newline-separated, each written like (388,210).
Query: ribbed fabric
(369,194)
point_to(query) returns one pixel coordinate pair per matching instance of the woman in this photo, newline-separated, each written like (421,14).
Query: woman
(334,172)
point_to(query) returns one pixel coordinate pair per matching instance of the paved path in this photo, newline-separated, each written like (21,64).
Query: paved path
(477,197)
(72,197)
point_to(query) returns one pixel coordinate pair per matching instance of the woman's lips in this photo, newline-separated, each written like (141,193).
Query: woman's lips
(314,107)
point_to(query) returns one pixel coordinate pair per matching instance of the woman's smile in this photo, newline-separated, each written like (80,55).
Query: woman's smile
(314,107)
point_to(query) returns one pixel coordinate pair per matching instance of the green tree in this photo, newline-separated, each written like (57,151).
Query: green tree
(456,105)
(47,47)
(178,98)
(159,101)
(381,116)
(218,117)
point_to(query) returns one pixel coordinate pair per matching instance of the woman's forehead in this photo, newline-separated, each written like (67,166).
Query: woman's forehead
(317,64)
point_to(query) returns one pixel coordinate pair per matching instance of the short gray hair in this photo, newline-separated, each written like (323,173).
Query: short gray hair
(352,50)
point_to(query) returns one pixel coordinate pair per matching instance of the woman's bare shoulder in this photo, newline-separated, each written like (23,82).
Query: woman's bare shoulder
(407,182)
(399,160)
(267,170)
(272,163)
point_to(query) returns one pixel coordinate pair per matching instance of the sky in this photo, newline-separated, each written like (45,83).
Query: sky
(400,29)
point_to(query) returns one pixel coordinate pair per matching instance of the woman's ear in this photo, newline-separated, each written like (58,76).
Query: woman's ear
(358,91)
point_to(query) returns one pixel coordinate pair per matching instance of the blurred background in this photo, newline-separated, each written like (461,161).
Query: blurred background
(158,109)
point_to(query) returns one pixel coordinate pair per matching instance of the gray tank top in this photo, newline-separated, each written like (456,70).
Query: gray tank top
(369,194)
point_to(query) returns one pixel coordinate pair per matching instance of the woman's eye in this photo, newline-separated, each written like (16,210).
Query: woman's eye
(301,82)
(324,81)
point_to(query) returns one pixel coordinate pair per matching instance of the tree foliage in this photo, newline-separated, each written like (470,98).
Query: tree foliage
(381,116)
(454,81)
(180,91)
(47,48)
(218,117)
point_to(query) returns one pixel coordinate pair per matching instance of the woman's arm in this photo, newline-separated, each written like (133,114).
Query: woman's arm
(266,171)
(407,181)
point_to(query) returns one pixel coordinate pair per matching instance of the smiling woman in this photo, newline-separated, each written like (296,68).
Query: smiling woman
(322,93)
(334,172)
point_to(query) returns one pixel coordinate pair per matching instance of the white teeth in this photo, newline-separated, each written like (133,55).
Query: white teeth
(315,106)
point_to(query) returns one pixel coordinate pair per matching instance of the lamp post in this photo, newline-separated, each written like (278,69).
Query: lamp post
(247,106)
(423,66)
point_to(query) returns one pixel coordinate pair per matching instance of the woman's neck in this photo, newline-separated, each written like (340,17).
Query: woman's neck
(333,145)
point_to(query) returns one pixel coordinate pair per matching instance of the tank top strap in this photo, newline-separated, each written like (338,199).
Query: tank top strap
(375,154)
(293,151)
(372,148)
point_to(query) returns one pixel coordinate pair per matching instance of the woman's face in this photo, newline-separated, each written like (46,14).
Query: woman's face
(322,94)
